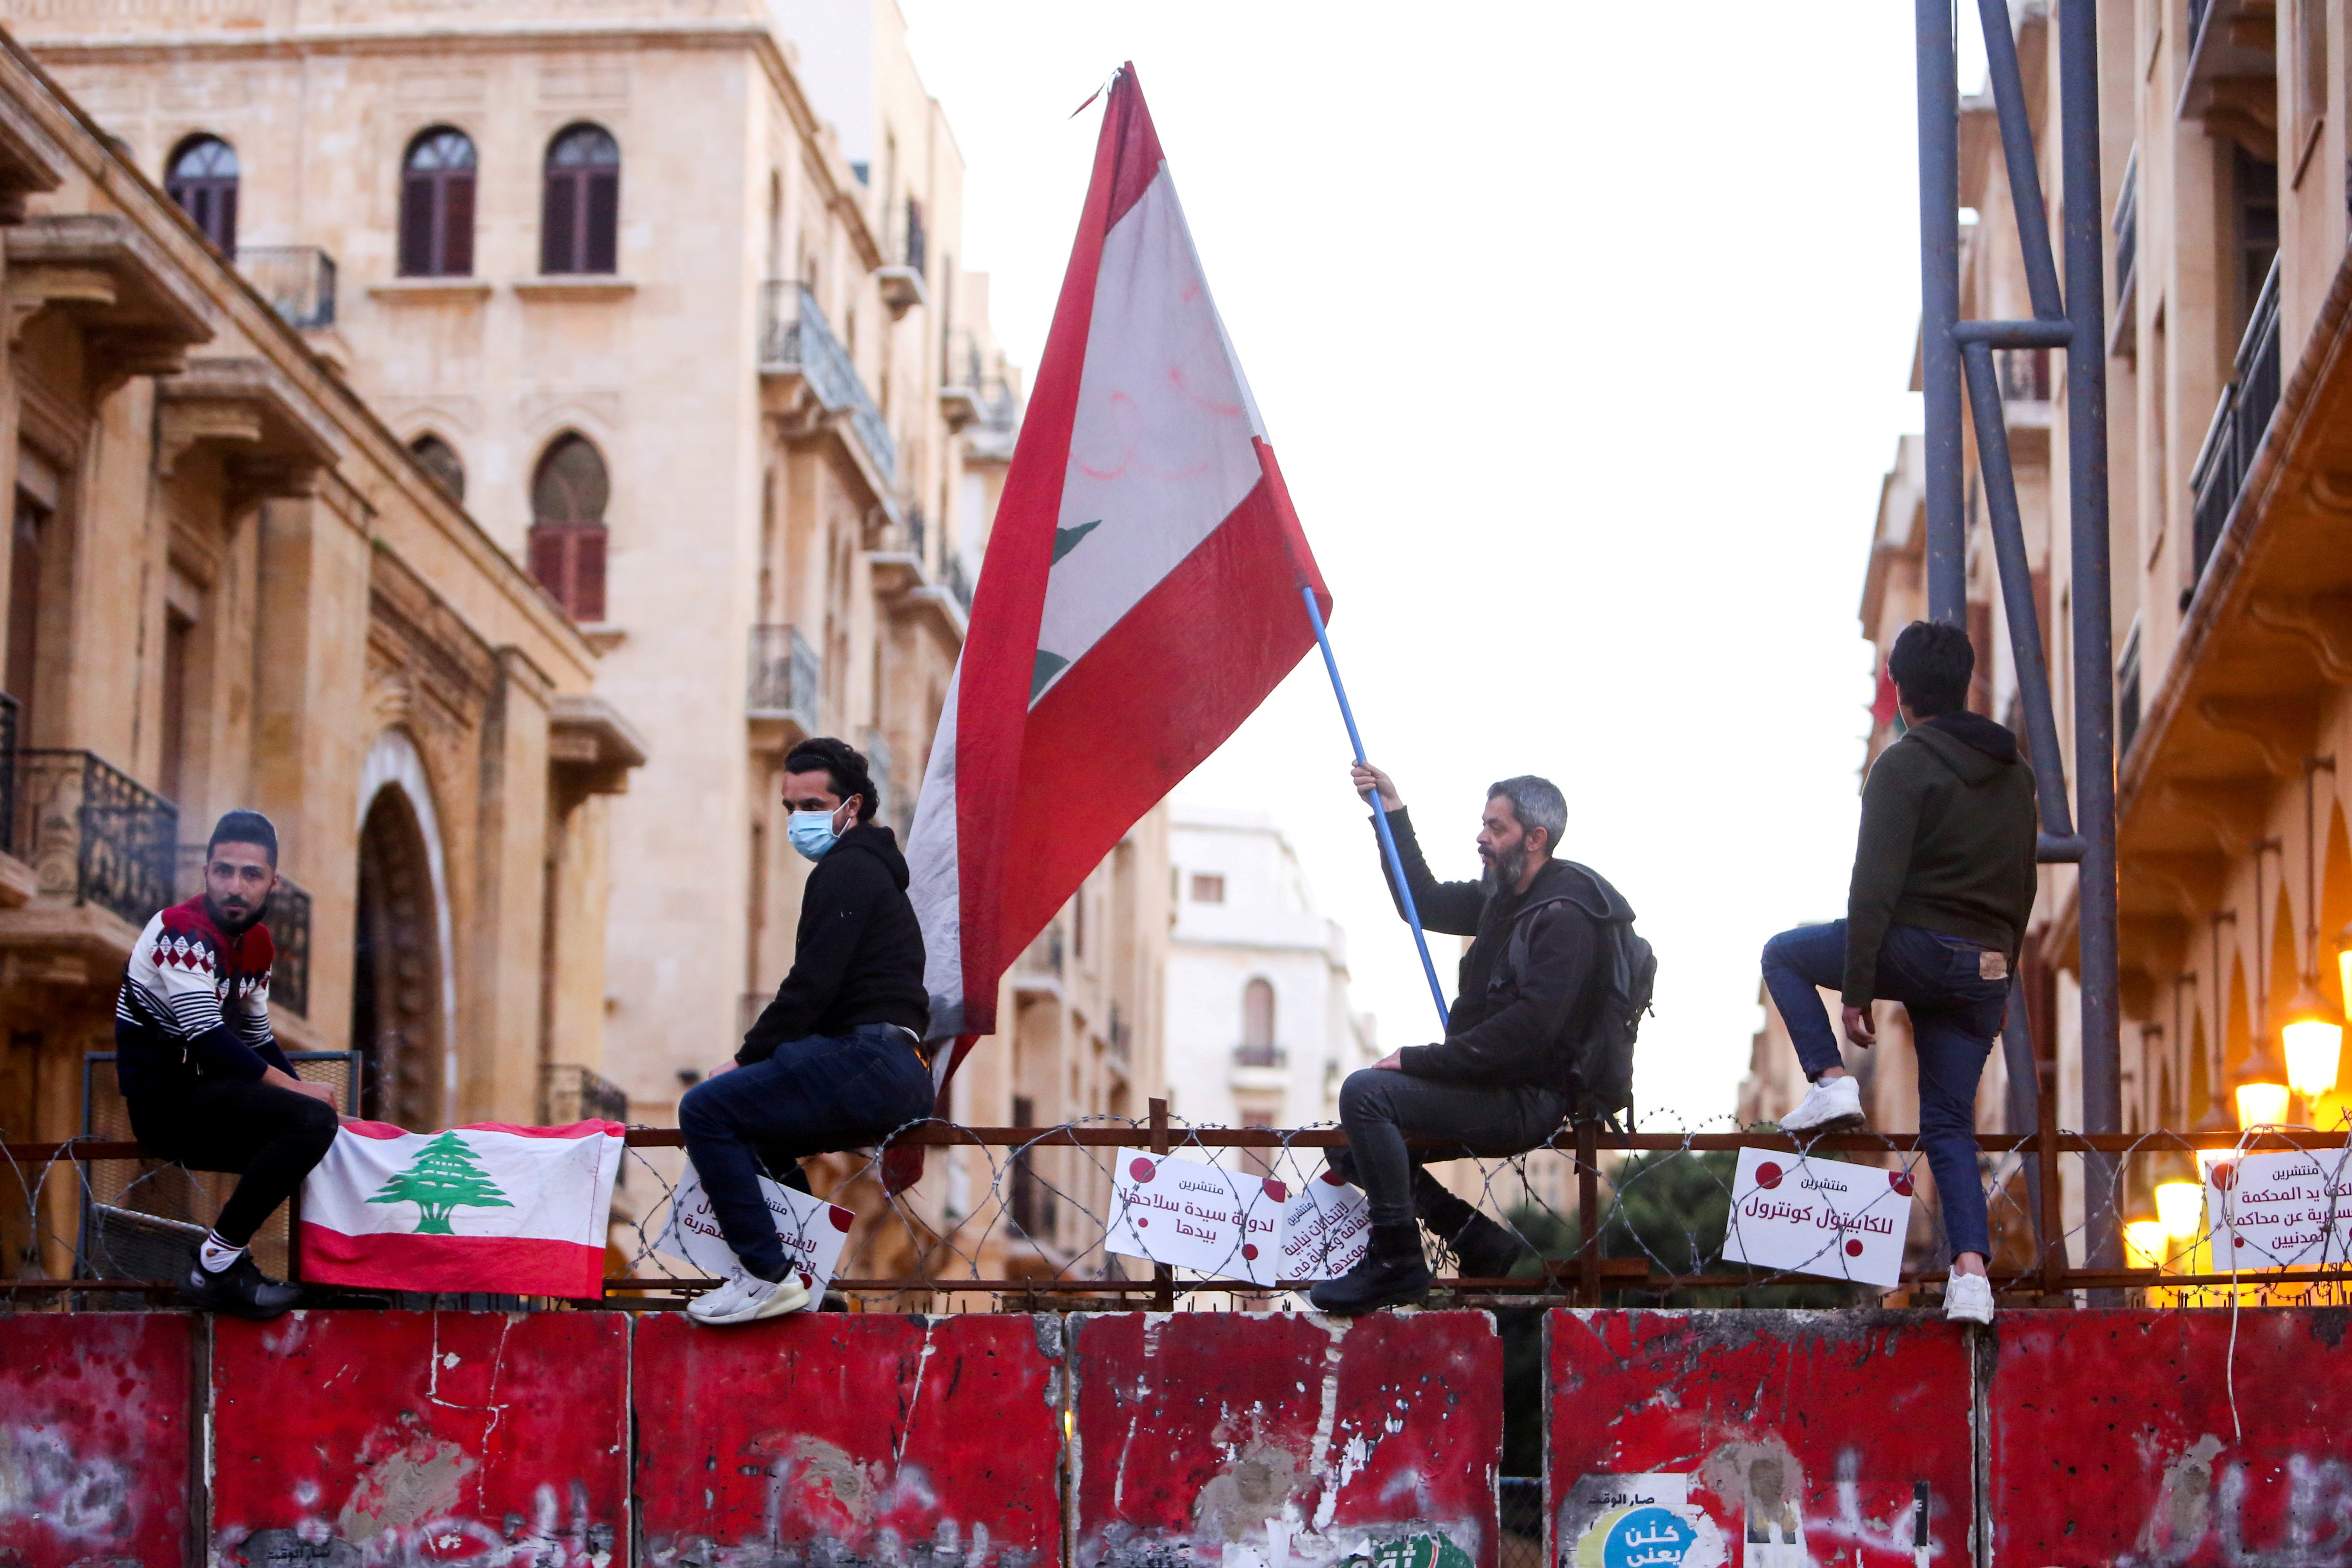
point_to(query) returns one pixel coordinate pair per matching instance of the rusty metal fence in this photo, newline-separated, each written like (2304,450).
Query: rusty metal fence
(1020,1217)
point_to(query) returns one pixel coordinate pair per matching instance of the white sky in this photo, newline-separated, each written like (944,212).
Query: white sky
(1582,332)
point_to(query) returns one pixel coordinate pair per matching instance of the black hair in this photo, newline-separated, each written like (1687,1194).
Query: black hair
(843,762)
(242,826)
(1932,663)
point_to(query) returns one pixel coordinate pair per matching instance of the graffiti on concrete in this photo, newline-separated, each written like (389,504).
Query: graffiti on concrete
(83,1497)
(2243,1515)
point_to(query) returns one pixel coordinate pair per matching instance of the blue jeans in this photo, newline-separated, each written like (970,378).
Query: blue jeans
(1955,1013)
(814,1096)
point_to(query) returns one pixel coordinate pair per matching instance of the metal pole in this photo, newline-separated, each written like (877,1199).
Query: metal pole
(1380,816)
(1939,308)
(2086,499)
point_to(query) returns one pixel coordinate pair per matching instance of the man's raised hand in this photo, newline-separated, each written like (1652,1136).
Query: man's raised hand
(1368,778)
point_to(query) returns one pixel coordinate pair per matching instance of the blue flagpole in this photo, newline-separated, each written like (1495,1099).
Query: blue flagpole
(1379,812)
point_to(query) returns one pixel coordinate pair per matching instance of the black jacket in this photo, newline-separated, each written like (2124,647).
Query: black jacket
(857,957)
(1522,1008)
(1946,844)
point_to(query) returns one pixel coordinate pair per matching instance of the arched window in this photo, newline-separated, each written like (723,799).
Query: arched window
(440,459)
(202,178)
(580,215)
(567,532)
(1257,1048)
(437,206)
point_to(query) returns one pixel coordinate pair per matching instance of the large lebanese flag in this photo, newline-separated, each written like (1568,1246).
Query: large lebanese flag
(490,1207)
(1141,594)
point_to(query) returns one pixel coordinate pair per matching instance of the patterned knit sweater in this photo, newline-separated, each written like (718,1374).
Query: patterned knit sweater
(195,1004)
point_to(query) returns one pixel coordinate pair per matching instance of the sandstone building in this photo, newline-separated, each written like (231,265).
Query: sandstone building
(229,584)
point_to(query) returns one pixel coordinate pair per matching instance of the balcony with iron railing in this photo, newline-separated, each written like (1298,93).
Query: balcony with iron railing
(2125,228)
(1040,964)
(784,683)
(2239,421)
(1260,1058)
(795,340)
(298,281)
(905,248)
(288,918)
(568,1092)
(93,834)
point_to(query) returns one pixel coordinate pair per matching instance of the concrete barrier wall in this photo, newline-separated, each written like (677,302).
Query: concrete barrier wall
(1708,1439)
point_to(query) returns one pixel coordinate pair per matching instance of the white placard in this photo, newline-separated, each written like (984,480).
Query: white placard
(2290,1210)
(1192,1215)
(1818,1217)
(1326,1229)
(812,1231)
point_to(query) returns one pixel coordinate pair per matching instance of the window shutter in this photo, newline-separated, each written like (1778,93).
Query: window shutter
(588,572)
(603,222)
(559,249)
(417,226)
(224,229)
(457,224)
(547,562)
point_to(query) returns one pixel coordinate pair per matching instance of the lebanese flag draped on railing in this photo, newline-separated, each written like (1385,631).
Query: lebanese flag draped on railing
(1138,599)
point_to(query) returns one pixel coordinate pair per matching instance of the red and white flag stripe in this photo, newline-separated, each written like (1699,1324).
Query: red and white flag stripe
(1140,596)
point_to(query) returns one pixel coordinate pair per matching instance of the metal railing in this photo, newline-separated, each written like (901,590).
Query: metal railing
(568,1092)
(9,714)
(92,833)
(958,582)
(1042,956)
(1246,1055)
(796,339)
(880,768)
(2025,375)
(298,281)
(288,918)
(785,675)
(2239,421)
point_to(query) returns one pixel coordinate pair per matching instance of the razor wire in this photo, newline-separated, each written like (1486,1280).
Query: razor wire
(1015,1218)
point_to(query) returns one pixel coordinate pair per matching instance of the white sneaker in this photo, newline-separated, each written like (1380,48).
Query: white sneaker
(1831,1105)
(747,1299)
(1967,1299)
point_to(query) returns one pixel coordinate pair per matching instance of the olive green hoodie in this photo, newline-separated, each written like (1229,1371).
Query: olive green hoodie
(1946,844)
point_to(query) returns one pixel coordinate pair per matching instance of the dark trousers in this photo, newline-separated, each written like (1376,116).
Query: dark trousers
(269,1137)
(1380,1107)
(814,1096)
(1955,1013)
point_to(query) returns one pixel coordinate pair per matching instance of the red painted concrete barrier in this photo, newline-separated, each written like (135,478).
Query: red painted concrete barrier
(1286,1441)
(842,1441)
(96,1445)
(1762,1438)
(356,1438)
(2112,1438)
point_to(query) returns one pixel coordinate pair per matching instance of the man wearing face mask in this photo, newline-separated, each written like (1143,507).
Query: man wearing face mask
(836,1060)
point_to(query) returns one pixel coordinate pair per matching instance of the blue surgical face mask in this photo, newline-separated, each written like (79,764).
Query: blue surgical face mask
(812,832)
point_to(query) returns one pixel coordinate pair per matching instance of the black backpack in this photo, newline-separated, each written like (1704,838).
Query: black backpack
(1601,1075)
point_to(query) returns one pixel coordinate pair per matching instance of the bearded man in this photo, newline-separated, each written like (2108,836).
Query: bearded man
(1504,1078)
(200,1069)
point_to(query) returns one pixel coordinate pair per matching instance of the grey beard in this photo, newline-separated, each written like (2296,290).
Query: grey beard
(1502,875)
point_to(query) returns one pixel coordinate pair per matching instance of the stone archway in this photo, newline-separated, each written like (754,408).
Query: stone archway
(402,991)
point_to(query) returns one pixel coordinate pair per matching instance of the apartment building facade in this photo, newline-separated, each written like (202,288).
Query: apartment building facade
(668,294)
(229,585)
(2229,409)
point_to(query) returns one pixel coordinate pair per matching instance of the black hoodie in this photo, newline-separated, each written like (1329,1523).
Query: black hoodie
(857,957)
(1946,844)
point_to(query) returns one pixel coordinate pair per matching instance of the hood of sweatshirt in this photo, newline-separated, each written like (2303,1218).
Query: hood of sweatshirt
(873,838)
(1970,744)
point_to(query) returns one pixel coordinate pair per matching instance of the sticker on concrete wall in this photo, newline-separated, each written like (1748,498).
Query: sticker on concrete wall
(1772,1529)
(812,1231)
(1818,1217)
(1192,1215)
(1643,1521)
(2292,1210)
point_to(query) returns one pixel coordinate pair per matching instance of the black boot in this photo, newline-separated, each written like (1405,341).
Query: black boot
(1485,1250)
(1392,1274)
(241,1289)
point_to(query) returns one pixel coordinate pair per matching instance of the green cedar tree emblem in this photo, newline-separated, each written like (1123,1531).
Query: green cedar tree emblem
(445,1177)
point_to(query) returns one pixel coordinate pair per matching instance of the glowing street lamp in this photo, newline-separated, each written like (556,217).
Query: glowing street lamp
(2144,1243)
(2263,1089)
(2180,1196)
(2313,1041)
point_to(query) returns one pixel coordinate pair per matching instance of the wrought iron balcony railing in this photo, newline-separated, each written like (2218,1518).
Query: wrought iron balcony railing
(959,581)
(95,835)
(2239,421)
(287,918)
(1261,1056)
(796,339)
(785,675)
(568,1092)
(8,716)
(298,281)
(2025,375)
(2127,226)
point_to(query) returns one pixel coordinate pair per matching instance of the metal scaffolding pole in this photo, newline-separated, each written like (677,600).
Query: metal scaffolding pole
(1939,308)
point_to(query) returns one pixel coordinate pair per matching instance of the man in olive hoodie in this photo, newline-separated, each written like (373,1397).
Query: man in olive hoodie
(1943,884)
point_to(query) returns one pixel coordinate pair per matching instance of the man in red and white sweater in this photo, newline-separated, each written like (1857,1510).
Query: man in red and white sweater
(201,1071)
